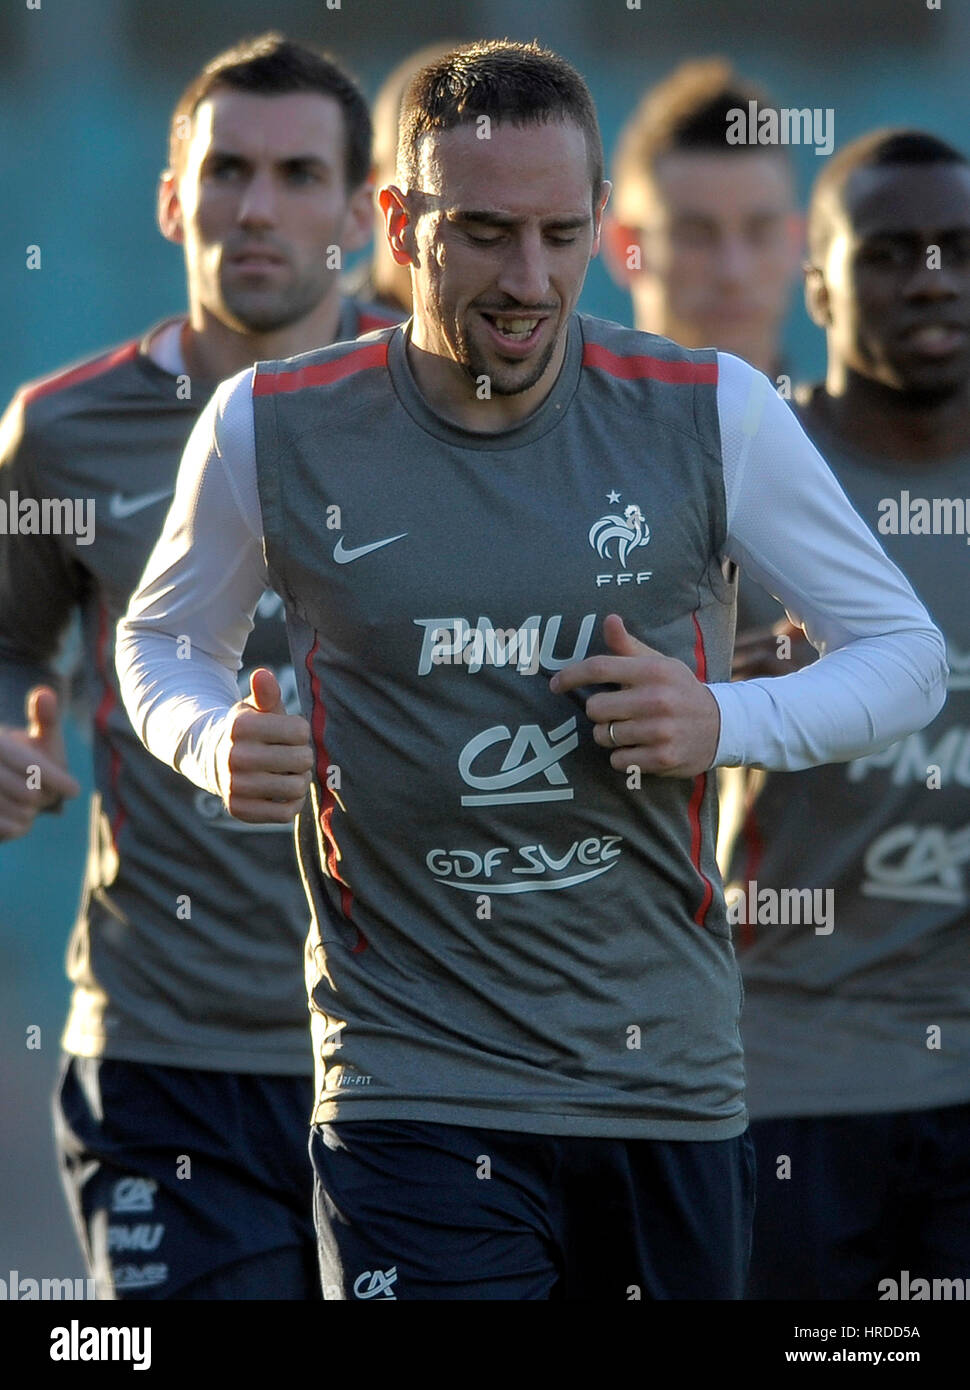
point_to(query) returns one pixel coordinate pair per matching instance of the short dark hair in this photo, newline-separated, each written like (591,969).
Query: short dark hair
(519,83)
(877,149)
(687,111)
(386,110)
(271,65)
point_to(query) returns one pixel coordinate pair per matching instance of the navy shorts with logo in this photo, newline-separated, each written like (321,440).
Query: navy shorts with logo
(849,1202)
(412,1210)
(188,1184)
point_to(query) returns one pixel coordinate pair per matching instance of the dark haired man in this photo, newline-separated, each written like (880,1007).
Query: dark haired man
(705,234)
(182,1110)
(857,1030)
(523,990)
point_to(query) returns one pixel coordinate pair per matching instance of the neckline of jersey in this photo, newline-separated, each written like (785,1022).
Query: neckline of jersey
(540,422)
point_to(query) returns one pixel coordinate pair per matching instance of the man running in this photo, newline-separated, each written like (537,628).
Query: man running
(525,1000)
(182,1111)
(857,1010)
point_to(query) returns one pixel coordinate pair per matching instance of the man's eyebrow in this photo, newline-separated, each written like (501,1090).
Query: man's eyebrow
(500,219)
(286,159)
(304,159)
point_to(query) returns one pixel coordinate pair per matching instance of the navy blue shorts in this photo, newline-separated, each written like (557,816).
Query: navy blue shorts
(865,1198)
(188,1184)
(409,1210)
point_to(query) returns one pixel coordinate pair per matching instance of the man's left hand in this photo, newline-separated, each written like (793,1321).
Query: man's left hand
(663,719)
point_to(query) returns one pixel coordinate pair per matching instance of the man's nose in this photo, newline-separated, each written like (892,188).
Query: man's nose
(257,207)
(734,259)
(525,271)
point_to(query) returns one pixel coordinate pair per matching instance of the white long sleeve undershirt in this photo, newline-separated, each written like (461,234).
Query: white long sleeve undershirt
(789,526)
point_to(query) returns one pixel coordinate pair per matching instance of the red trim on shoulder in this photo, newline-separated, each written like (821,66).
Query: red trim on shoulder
(697,795)
(73,376)
(318,724)
(637,367)
(322,373)
(371,323)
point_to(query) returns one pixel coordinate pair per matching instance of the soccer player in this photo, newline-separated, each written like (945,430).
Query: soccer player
(705,233)
(857,1026)
(182,1111)
(524,995)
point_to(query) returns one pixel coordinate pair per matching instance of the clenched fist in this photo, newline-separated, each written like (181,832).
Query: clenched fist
(33,765)
(264,758)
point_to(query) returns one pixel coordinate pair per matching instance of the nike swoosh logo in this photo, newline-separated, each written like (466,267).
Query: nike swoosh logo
(127,506)
(344,557)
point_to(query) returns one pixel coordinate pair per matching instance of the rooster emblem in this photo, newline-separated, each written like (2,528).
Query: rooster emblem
(630,530)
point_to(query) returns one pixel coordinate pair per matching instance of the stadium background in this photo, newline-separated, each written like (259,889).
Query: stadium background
(85,96)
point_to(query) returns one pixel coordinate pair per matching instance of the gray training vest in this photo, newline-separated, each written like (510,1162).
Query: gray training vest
(853,928)
(506,931)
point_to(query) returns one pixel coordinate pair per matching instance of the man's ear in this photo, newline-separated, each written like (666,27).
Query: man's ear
(622,251)
(817,296)
(398,226)
(169,208)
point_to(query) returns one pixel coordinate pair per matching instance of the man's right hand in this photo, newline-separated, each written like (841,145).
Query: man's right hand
(264,757)
(33,766)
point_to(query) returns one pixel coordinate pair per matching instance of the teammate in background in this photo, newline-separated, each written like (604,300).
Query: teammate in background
(183,1106)
(381,280)
(857,1029)
(517,881)
(704,234)
(707,239)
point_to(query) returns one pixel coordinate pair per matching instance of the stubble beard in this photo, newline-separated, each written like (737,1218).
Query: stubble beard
(503,379)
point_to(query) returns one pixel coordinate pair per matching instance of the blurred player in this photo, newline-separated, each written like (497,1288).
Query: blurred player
(524,995)
(704,234)
(381,280)
(183,1107)
(857,1028)
(706,237)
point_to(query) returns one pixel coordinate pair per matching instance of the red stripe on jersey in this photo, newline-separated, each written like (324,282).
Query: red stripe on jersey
(268,383)
(73,376)
(318,724)
(370,323)
(106,704)
(635,368)
(697,795)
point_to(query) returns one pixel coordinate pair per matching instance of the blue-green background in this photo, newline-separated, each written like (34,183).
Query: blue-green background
(85,92)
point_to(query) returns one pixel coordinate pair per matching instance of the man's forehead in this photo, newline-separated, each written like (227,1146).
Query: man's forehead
(283,124)
(505,158)
(902,197)
(705,179)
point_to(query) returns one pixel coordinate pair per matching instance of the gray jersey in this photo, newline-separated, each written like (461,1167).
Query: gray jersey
(507,931)
(188,946)
(868,1010)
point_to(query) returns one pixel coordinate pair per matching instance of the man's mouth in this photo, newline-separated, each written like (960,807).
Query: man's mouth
(514,333)
(935,339)
(255,258)
(514,327)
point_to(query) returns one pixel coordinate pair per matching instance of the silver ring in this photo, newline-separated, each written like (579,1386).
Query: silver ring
(610,732)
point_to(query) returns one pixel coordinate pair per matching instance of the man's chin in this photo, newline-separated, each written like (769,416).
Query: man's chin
(927,389)
(254,313)
(511,378)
